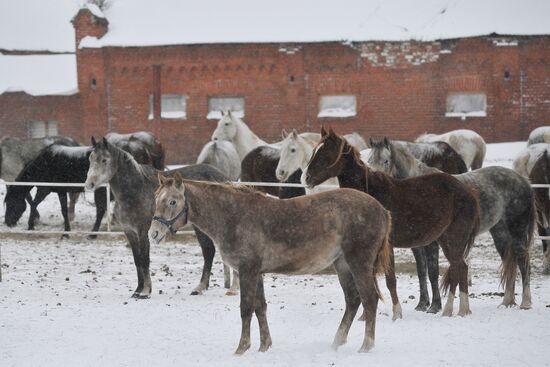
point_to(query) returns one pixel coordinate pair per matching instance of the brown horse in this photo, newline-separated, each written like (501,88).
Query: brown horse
(256,234)
(434,207)
(540,174)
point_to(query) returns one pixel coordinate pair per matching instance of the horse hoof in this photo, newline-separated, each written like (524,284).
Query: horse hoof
(434,308)
(526,306)
(91,237)
(363,317)
(143,296)
(421,306)
(241,349)
(265,346)
(65,237)
(197,292)
(447,314)
(232,293)
(464,313)
(508,304)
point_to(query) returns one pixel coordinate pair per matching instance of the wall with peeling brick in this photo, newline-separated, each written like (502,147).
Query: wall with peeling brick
(401,87)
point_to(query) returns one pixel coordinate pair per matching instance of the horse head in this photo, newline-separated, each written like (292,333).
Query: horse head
(381,157)
(295,152)
(226,129)
(171,208)
(15,205)
(327,159)
(102,164)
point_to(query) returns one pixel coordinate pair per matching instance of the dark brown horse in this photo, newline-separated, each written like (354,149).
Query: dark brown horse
(434,207)
(540,174)
(142,145)
(257,234)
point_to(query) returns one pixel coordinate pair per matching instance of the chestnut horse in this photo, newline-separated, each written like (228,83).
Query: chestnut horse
(429,208)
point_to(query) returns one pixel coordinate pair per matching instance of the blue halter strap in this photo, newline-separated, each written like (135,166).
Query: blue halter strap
(183,212)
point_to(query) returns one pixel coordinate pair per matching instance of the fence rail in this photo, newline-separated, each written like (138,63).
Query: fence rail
(109,232)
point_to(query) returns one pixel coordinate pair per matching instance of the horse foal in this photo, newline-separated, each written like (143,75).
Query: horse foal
(256,234)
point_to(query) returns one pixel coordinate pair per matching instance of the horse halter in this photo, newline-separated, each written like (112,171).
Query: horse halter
(169,222)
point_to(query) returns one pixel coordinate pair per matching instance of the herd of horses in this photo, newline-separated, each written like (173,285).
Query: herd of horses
(429,194)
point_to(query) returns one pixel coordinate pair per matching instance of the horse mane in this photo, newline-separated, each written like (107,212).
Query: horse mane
(345,148)
(233,187)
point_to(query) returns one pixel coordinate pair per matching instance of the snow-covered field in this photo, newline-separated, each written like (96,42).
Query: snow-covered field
(66,303)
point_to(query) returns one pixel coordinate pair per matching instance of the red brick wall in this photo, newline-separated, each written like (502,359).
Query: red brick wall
(18,109)
(401,88)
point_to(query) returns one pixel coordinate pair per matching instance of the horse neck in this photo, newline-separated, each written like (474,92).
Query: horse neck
(406,165)
(126,177)
(245,140)
(207,202)
(309,148)
(353,175)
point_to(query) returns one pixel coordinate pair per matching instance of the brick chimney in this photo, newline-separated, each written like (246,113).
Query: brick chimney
(89,22)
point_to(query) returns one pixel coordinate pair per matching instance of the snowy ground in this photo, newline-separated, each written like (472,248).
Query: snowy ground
(65,303)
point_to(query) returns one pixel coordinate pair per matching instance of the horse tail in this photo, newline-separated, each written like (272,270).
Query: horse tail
(382,263)
(474,230)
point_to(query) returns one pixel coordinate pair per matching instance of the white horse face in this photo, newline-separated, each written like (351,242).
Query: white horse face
(293,156)
(226,129)
(102,167)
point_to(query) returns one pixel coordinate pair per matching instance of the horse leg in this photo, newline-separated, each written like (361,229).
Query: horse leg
(525,270)
(421,270)
(41,193)
(34,212)
(391,283)
(352,299)
(234,289)
(208,251)
(73,198)
(145,263)
(365,282)
(464,307)
(136,252)
(260,309)
(503,244)
(226,276)
(100,199)
(248,275)
(64,211)
(544,232)
(450,279)
(432,257)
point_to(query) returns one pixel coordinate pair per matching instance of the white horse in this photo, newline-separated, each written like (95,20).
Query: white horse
(539,135)
(297,150)
(469,144)
(222,155)
(233,129)
(526,159)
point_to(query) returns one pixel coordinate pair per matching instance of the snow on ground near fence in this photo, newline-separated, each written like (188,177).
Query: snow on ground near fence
(66,302)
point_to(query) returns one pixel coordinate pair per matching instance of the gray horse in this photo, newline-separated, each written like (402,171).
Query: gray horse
(133,186)
(507,209)
(222,155)
(257,234)
(539,135)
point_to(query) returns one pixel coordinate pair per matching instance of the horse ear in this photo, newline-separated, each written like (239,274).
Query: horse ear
(323,131)
(162,179)
(294,133)
(229,113)
(386,142)
(178,179)
(105,142)
(371,143)
(93,142)
(284,134)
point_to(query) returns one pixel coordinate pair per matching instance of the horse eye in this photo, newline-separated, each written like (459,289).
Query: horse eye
(227,124)
(104,160)
(173,202)
(292,150)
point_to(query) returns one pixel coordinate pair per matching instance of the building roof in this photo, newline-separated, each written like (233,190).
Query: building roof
(38,75)
(37,25)
(172,22)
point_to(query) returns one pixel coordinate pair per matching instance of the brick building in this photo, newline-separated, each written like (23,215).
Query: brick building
(494,80)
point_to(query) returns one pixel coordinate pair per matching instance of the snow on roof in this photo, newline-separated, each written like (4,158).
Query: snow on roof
(38,74)
(95,10)
(169,22)
(38,25)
